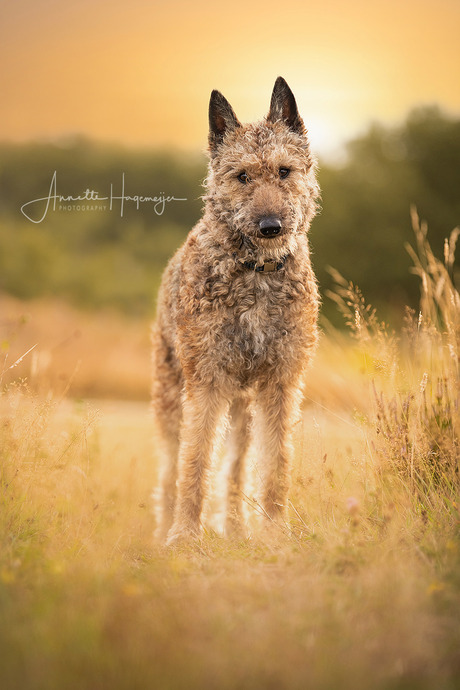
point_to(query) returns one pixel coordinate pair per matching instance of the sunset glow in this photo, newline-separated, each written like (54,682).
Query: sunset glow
(141,73)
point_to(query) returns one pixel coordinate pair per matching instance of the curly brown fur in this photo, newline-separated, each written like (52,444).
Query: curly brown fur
(226,335)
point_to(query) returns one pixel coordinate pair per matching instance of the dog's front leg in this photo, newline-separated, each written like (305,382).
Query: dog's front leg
(202,409)
(278,408)
(238,444)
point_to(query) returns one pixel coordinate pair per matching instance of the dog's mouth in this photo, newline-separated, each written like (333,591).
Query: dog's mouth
(268,234)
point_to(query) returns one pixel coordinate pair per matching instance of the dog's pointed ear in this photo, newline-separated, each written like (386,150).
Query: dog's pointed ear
(221,119)
(283,107)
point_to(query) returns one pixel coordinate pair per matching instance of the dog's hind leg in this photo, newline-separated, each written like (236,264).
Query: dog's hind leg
(166,406)
(168,481)
(238,444)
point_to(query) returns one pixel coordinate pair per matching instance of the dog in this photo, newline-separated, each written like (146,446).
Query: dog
(236,321)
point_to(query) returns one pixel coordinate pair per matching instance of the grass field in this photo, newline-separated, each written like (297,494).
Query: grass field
(360,589)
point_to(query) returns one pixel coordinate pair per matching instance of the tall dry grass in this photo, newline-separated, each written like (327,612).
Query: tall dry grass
(415,376)
(361,589)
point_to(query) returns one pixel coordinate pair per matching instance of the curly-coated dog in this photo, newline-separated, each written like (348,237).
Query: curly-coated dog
(237,312)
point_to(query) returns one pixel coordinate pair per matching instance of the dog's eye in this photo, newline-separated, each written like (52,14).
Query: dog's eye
(283,172)
(243,177)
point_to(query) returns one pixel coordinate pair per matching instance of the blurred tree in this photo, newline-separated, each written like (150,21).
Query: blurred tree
(366,203)
(102,259)
(94,258)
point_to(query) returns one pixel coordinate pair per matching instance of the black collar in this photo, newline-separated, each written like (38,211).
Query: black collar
(266,266)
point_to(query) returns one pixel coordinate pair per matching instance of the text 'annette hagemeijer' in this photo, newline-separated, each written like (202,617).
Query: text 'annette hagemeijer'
(36,210)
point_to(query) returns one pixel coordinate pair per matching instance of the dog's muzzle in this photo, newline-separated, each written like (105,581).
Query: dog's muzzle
(270,226)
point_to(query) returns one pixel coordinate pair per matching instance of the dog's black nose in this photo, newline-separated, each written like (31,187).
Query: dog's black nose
(270,226)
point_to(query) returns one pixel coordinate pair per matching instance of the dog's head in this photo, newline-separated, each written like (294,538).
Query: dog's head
(261,184)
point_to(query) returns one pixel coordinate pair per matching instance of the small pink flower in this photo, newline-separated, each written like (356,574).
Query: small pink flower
(352,505)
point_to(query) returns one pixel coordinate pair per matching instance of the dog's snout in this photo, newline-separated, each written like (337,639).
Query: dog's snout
(270,226)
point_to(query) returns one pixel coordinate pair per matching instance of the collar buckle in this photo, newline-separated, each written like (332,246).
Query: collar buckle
(267,267)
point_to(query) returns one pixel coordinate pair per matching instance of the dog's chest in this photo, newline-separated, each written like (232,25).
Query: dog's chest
(254,329)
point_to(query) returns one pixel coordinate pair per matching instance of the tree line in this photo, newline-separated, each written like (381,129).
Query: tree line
(95,224)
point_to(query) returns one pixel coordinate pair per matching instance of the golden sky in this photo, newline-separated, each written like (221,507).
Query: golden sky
(140,72)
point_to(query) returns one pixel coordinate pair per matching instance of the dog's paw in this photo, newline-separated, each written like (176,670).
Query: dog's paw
(161,533)
(182,534)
